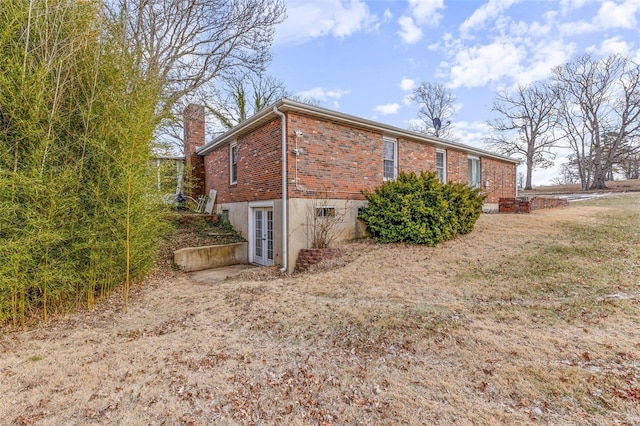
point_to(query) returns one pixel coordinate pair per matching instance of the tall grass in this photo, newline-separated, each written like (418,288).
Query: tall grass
(76,123)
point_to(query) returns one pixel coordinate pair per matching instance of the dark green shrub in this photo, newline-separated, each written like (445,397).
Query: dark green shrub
(419,209)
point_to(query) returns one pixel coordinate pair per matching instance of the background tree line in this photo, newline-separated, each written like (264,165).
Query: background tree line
(589,106)
(84,86)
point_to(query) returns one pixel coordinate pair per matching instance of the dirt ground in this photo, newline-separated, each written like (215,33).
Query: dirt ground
(384,335)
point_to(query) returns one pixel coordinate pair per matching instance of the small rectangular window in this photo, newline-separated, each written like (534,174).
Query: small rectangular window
(325,212)
(474,172)
(441,165)
(389,159)
(233,163)
(225,215)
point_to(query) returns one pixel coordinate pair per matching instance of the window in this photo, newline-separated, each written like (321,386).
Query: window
(441,168)
(233,163)
(225,215)
(325,212)
(473,164)
(390,160)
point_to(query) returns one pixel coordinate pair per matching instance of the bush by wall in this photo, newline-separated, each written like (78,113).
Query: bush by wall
(419,209)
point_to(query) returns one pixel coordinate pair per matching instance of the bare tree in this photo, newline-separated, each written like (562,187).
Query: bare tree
(436,108)
(241,95)
(629,161)
(568,172)
(185,44)
(526,125)
(598,98)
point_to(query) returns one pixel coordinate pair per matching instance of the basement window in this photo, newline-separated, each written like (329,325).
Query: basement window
(225,215)
(325,212)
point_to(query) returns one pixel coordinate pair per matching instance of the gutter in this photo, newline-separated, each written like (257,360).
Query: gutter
(334,116)
(284,189)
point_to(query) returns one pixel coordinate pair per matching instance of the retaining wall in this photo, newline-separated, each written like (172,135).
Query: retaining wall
(518,205)
(208,257)
(308,257)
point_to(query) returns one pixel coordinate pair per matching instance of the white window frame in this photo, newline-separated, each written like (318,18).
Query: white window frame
(442,178)
(233,177)
(470,178)
(326,212)
(251,232)
(393,141)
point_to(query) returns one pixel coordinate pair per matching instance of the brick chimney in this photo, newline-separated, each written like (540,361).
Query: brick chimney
(194,138)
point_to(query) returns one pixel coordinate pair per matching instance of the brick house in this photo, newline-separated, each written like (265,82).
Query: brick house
(321,160)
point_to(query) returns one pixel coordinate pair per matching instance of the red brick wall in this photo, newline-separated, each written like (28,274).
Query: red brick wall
(501,179)
(415,156)
(337,161)
(259,167)
(513,205)
(457,167)
(193,138)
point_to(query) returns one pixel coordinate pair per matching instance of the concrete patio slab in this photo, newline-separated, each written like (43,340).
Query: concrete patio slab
(208,276)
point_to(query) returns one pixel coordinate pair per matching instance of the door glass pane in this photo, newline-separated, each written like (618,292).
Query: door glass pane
(258,233)
(270,234)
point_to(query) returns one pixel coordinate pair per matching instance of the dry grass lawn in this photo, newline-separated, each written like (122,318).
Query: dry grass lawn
(529,319)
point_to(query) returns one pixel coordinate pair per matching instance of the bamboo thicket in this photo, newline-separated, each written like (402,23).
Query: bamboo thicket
(78,214)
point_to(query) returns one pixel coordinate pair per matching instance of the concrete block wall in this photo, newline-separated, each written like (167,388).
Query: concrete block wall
(198,258)
(538,203)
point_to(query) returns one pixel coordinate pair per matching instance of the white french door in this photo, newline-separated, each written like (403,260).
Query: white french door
(262,236)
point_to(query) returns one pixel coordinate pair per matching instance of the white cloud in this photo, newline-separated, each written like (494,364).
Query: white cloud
(576,28)
(544,56)
(614,45)
(478,65)
(308,19)
(610,15)
(614,15)
(420,13)
(425,12)
(569,5)
(407,100)
(434,46)
(388,16)
(409,32)
(488,11)
(414,124)
(471,133)
(407,84)
(322,94)
(387,109)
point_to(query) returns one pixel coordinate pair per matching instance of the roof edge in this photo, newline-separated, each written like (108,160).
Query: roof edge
(285,105)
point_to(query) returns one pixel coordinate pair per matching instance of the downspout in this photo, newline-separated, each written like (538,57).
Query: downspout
(284,189)
(515,172)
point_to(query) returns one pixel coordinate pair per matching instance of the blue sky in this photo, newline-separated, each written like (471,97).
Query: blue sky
(364,57)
